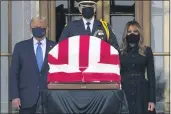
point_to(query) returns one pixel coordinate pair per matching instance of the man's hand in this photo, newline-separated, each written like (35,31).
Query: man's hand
(16,103)
(151,106)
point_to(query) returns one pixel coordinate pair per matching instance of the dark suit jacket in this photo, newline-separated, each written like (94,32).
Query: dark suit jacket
(60,20)
(77,28)
(25,79)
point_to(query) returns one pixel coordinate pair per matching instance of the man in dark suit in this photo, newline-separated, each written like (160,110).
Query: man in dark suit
(88,25)
(29,68)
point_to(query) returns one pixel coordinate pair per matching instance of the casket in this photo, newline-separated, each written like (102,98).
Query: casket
(76,65)
(83,60)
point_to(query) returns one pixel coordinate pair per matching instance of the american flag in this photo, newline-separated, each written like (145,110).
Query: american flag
(83,59)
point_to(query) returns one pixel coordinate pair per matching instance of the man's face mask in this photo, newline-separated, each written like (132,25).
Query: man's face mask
(39,32)
(87,10)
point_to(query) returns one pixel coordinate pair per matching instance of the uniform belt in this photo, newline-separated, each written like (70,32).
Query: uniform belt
(83,86)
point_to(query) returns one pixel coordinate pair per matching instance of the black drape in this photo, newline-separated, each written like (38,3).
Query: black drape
(83,102)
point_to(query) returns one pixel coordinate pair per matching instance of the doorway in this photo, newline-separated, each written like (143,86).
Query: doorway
(117,13)
(110,11)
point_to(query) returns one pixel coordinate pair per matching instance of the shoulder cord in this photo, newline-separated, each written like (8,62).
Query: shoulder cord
(105,26)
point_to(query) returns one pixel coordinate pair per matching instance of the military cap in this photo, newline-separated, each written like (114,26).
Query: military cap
(87,1)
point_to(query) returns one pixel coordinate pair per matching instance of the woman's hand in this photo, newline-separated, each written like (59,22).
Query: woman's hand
(151,106)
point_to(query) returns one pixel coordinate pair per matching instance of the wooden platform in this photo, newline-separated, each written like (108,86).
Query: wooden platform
(84,86)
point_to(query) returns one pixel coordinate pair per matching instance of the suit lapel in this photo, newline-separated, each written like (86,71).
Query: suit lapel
(32,54)
(81,26)
(96,26)
(48,48)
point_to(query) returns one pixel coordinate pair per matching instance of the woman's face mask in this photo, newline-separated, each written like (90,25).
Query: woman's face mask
(133,35)
(133,38)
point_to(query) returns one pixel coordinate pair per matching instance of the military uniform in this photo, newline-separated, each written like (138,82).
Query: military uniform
(77,28)
(100,28)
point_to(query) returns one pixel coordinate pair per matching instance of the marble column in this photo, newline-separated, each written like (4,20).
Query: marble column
(22,12)
(4,59)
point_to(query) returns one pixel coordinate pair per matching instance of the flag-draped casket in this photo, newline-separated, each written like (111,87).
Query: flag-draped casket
(83,59)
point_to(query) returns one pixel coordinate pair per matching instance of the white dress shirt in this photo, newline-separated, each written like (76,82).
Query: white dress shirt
(43,46)
(91,23)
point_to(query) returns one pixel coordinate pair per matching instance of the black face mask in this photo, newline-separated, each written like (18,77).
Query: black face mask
(88,12)
(133,38)
(39,32)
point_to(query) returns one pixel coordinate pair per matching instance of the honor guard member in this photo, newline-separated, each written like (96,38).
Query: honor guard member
(88,25)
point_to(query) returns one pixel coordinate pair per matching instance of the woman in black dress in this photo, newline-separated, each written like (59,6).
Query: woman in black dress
(135,60)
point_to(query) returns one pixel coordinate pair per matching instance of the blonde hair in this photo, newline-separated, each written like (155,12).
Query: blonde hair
(124,43)
(39,18)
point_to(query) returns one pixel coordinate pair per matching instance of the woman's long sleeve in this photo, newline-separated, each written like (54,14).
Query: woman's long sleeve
(151,76)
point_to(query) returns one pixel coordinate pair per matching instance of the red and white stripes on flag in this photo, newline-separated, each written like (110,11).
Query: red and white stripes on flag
(83,58)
